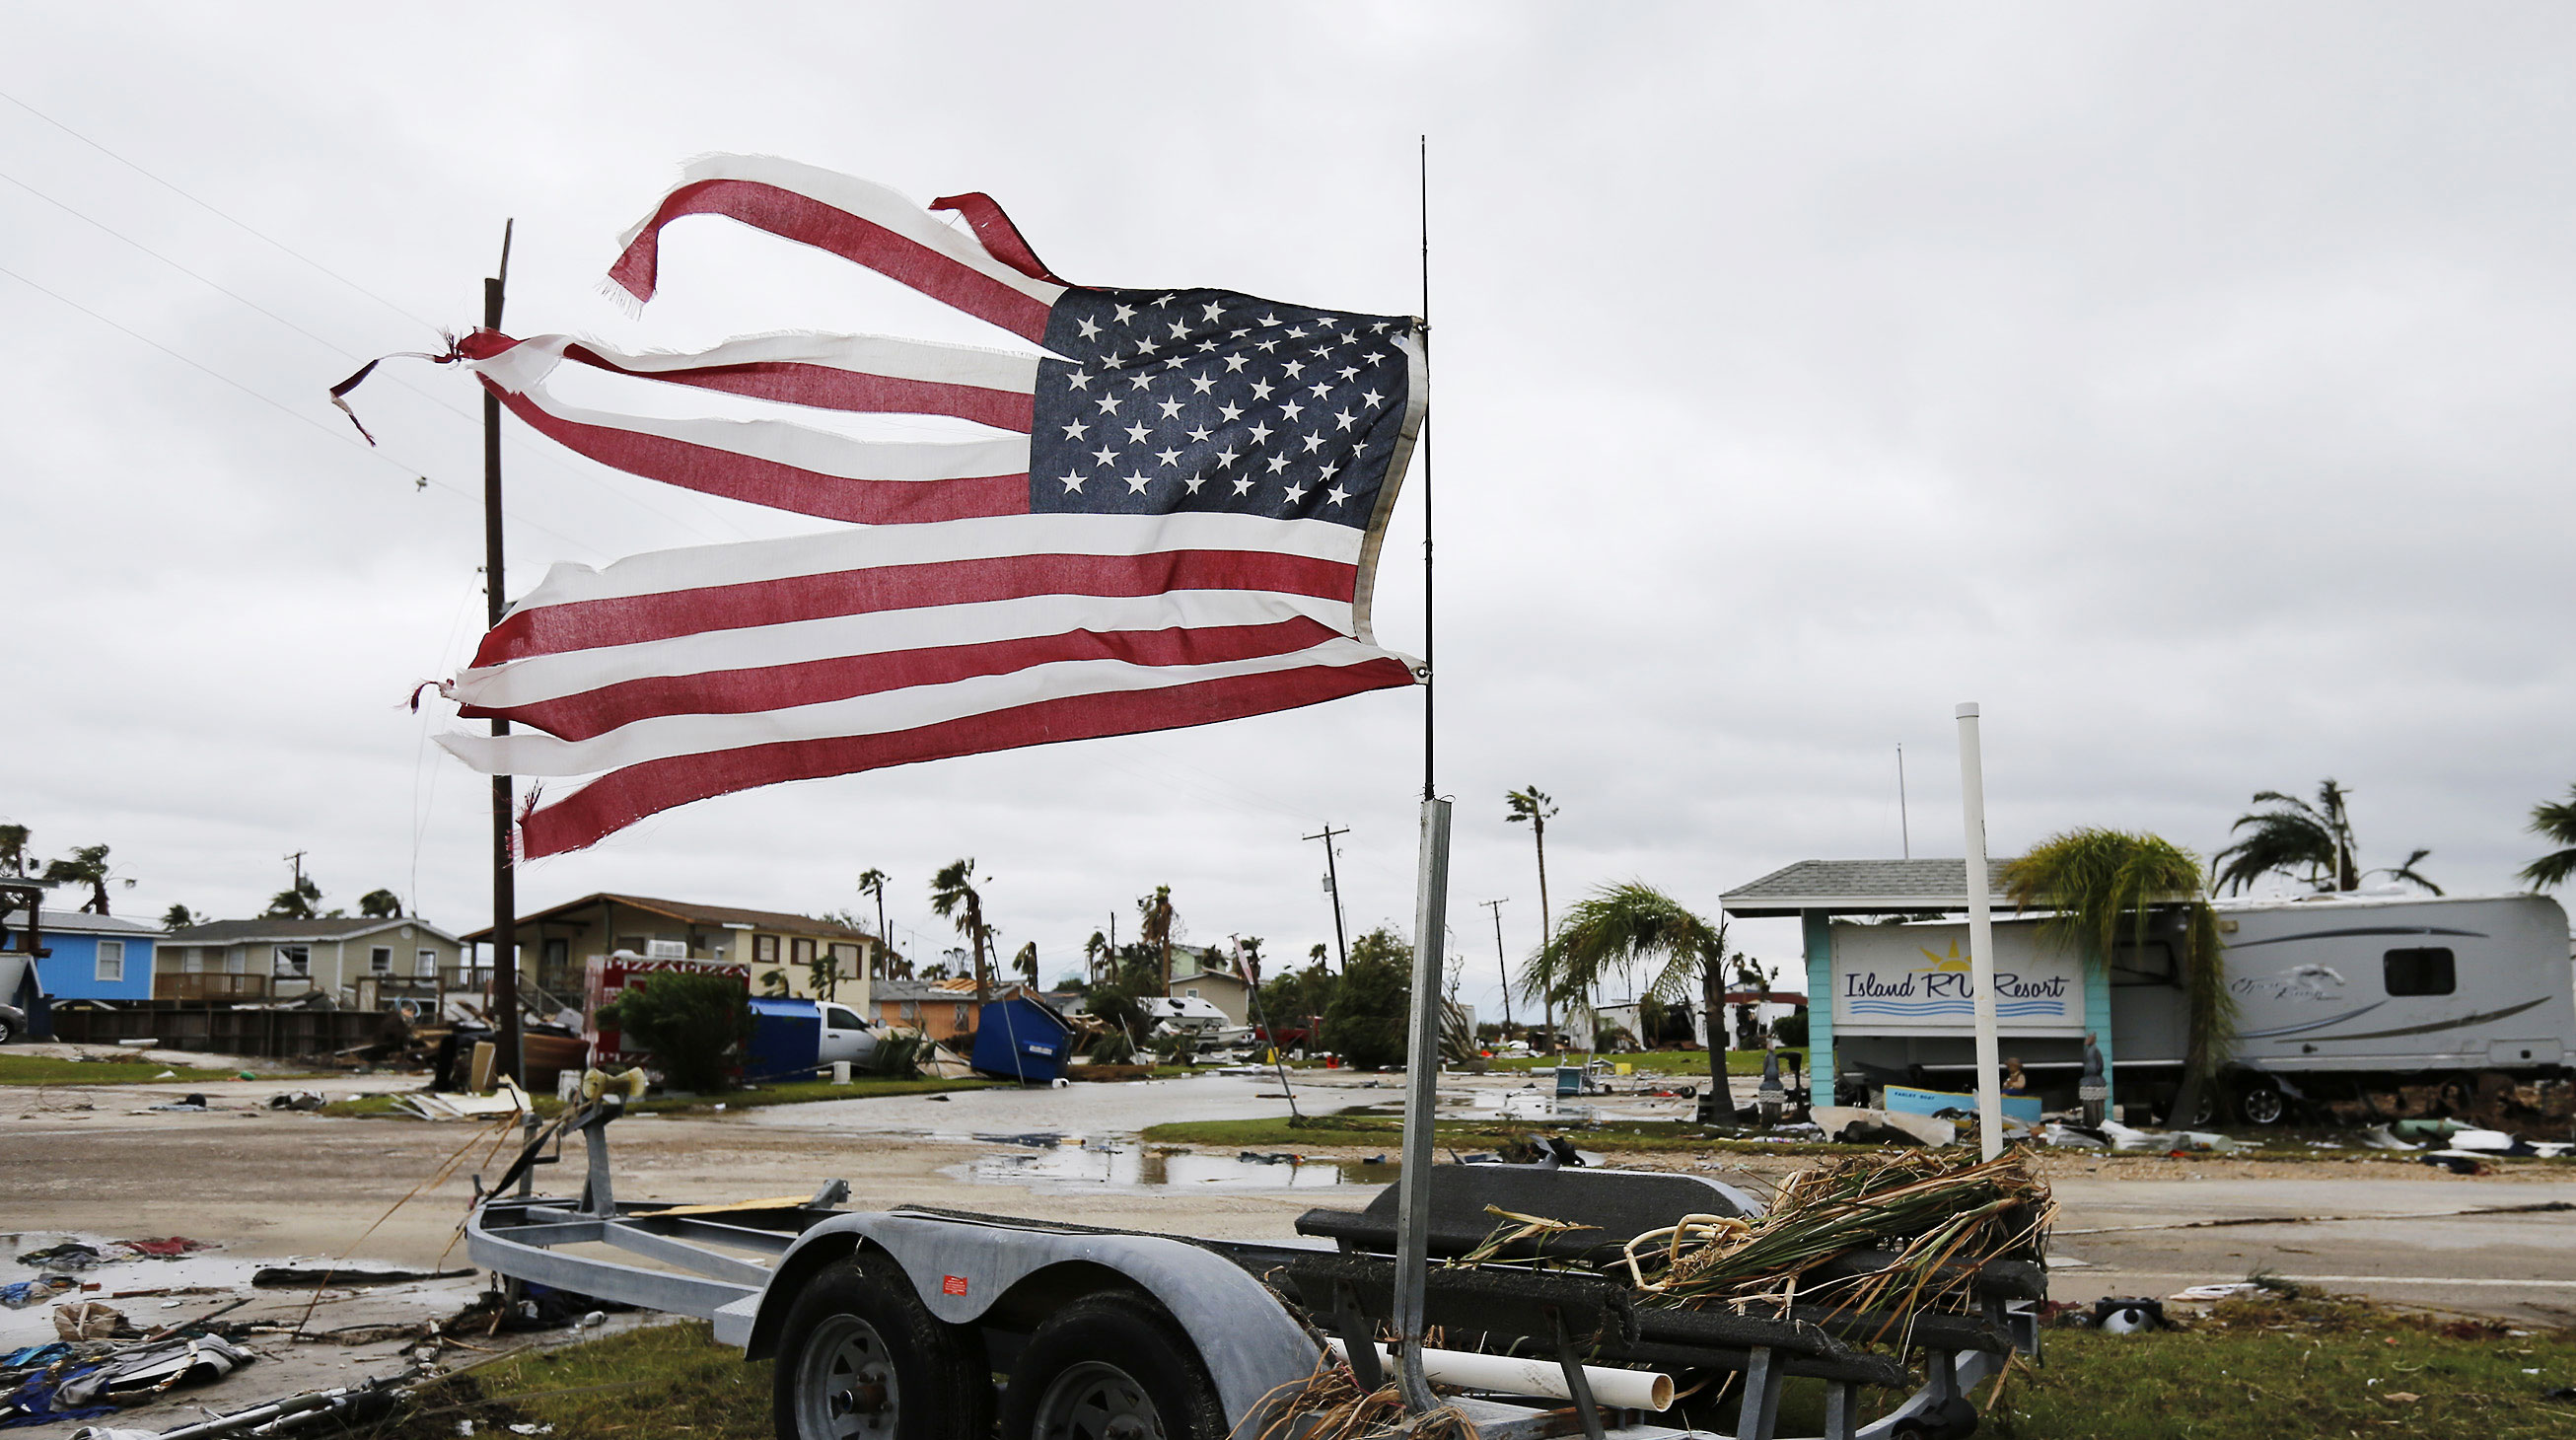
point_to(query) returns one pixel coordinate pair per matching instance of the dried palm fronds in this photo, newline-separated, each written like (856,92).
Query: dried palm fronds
(1941,1220)
(1329,1405)
(1514,1229)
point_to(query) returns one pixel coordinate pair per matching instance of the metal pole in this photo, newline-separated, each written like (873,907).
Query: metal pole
(1252,977)
(1424,171)
(1981,937)
(1501,961)
(1421,1092)
(1904,828)
(505,898)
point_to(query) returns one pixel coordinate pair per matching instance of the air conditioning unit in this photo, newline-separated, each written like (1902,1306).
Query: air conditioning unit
(666,950)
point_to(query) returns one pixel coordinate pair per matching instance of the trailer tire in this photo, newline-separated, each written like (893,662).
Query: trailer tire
(1111,1366)
(861,1358)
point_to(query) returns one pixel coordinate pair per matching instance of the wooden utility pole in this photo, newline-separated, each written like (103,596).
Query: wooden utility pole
(1333,882)
(505,898)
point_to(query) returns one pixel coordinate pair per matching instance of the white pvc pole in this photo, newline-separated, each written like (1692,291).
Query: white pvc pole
(1981,937)
(1527,1375)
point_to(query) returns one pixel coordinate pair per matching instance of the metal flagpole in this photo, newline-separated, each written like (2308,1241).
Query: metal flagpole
(1981,937)
(505,898)
(1430,927)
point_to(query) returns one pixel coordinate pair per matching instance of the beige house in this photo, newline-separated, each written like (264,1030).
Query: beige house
(360,963)
(1223,989)
(786,954)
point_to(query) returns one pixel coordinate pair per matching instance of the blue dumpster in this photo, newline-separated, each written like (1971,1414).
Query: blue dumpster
(1021,1039)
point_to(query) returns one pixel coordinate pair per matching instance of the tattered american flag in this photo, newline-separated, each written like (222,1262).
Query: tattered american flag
(1168,513)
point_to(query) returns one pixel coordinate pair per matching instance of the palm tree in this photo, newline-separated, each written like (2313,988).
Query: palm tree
(1095,957)
(2407,872)
(873,881)
(301,902)
(2293,837)
(2100,882)
(1026,962)
(13,850)
(1533,806)
(953,896)
(86,865)
(2554,821)
(177,917)
(1619,927)
(1157,929)
(380,905)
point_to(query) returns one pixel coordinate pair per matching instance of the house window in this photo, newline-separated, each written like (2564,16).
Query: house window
(801,952)
(845,961)
(764,949)
(2420,972)
(111,960)
(192,960)
(380,960)
(424,964)
(960,1021)
(291,962)
(237,962)
(911,1012)
(1192,992)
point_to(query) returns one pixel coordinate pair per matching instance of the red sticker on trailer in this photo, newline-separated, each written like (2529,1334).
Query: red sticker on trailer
(952,1284)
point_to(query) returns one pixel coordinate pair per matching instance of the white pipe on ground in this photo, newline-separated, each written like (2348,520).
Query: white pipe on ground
(1525,1375)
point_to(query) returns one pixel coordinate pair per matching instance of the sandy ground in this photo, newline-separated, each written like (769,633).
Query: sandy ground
(265,1185)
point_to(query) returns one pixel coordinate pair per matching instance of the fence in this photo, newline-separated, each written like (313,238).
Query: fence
(172,1025)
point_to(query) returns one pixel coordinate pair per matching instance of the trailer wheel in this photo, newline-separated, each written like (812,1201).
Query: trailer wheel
(1111,1366)
(2261,1103)
(861,1358)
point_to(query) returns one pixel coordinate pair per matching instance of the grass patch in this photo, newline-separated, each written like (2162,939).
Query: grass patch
(657,1381)
(2297,1365)
(56,1070)
(1373,1130)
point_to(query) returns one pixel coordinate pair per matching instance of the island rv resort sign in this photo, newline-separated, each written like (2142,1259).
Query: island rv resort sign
(1914,980)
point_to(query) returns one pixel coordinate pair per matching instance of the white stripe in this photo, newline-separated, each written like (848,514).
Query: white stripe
(522,370)
(867,200)
(552,677)
(667,737)
(890,356)
(868,547)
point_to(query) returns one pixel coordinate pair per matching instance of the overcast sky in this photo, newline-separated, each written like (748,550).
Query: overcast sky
(2188,385)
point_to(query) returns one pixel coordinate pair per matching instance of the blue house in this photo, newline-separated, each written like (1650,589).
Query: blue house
(95,957)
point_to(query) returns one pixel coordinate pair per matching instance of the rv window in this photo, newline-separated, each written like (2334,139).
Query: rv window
(2420,972)
(2148,964)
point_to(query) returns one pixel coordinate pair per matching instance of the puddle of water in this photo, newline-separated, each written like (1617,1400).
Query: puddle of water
(1071,1160)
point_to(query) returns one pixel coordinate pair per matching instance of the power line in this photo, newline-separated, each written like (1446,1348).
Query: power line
(299,418)
(211,210)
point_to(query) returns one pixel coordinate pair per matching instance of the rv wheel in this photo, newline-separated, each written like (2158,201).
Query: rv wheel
(2261,1103)
(861,1358)
(1112,1366)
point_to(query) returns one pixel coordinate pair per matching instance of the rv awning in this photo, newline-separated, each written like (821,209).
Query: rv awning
(1856,887)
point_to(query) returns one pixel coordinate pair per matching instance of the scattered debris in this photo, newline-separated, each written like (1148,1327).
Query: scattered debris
(20,1294)
(283,1276)
(297,1100)
(2206,1293)
(92,1320)
(69,1255)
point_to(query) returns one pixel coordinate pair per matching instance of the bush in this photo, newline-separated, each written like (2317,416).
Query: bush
(690,1024)
(1365,1022)
(1791,1029)
(898,1057)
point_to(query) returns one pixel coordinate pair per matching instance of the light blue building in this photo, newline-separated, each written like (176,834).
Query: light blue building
(95,957)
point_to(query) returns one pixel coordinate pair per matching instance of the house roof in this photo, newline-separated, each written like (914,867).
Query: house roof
(1857,887)
(235,932)
(957,987)
(690,912)
(1195,976)
(59,922)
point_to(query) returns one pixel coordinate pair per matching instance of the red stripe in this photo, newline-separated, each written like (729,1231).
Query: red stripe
(633,619)
(622,797)
(809,221)
(999,235)
(814,682)
(767,482)
(831,388)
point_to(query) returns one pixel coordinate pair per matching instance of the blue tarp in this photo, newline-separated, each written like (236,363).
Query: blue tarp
(1906,1100)
(1021,1039)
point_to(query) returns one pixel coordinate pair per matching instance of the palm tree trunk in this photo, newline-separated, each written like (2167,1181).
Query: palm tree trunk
(1538,833)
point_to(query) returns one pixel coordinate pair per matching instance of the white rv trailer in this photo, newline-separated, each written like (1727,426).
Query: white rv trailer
(2336,994)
